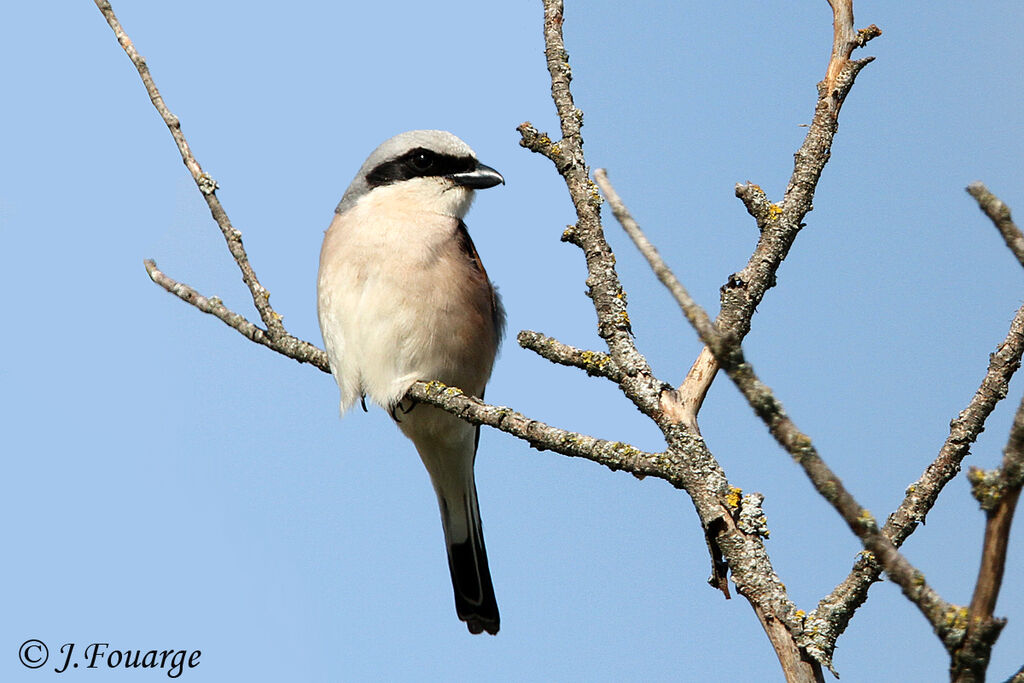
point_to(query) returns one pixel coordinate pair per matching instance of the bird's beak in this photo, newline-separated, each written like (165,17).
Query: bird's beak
(479,178)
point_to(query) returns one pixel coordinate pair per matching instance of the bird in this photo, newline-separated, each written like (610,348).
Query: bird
(402,296)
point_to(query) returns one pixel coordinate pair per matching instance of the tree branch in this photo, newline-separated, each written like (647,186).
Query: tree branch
(683,404)
(614,455)
(997,491)
(206,184)
(944,617)
(604,287)
(828,621)
(704,480)
(780,223)
(999,213)
(284,343)
(595,363)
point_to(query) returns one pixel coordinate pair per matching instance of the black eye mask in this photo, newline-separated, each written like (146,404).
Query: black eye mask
(418,163)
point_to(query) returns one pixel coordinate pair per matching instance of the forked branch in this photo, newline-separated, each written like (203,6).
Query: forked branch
(780,222)
(833,614)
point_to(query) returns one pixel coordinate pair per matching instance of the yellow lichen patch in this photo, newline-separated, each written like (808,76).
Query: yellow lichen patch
(436,386)
(732,499)
(956,618)
(594,359)
(987,487)
(625,450)
(774,211)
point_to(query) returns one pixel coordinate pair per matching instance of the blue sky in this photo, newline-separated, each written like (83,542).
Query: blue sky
(170,485)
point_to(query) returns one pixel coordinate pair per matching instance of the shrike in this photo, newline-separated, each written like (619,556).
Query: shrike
(402,296)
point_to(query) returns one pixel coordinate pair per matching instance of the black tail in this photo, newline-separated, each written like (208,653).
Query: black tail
(471,578)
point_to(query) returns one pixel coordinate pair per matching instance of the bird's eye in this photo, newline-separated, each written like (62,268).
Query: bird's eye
(422,160)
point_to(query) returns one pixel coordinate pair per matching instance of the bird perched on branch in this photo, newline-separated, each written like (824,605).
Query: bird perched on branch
(402,296)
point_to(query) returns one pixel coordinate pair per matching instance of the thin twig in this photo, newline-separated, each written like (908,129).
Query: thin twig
(999,213)
(206,184)
(780,223)
(283,343)
(764,403)
(629,224)
(605,288)
(683,404)
(833,614)
(595,363)
(612,454)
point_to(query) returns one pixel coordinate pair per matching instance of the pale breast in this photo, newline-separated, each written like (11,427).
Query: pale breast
(400,302)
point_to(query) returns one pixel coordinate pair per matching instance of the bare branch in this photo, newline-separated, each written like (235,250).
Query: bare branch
(764,403)
(997,491)
(780,223)
(683,404)
(834,611)
(649,252)
(729,355)
(798,444)
(283,343)
(999,213)
(964,430)
(605,288)
(844,40)
(595,363)
(206,184)
(612,454)
(701,474)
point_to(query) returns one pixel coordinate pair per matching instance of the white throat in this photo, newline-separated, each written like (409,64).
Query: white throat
(421,195)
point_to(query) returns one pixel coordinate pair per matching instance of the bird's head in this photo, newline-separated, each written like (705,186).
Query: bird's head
(433,170)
